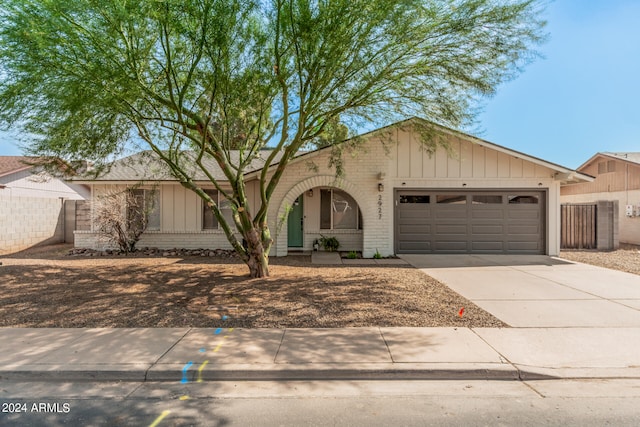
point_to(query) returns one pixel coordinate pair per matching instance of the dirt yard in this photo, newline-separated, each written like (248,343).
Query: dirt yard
(45,287)
(627,258)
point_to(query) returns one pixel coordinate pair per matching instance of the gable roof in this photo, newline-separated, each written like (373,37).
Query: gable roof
(145,166)
(13,164)
(563,174)
(630,157)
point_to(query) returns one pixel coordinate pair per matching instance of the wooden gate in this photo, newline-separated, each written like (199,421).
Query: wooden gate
(579,226)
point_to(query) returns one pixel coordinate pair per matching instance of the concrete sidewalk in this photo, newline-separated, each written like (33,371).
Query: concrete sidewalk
(192,355)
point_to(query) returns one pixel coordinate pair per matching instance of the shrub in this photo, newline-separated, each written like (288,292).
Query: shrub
(330,244)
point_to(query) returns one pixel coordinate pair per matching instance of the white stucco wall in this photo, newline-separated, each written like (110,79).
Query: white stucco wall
(27,184)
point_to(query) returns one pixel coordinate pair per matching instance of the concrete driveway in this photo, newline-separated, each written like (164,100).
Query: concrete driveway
(539,291)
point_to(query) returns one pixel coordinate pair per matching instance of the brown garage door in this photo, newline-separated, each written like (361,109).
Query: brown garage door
(432,221)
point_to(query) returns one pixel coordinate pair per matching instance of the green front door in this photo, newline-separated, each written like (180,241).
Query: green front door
(294,225)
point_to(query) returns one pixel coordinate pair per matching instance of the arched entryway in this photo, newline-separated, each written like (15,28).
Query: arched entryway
(320,206)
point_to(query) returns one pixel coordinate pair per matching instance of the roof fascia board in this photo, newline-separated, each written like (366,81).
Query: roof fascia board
(22,169)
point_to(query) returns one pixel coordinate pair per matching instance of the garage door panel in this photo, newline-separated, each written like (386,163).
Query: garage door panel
(416,221)
(489,246)
(523,246)
(495,214)
(520,229)
(409,229)
(416,247)
(450,246)
(451,229)
(415,237)
(471,221)
(423,215)
(450,211)
(520,214)
(479,229)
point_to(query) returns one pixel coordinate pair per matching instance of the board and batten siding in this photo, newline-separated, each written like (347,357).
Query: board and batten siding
(468,160)
(180,220)
(624,176)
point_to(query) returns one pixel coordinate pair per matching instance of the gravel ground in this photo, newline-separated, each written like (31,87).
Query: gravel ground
(627,258)
(46,288)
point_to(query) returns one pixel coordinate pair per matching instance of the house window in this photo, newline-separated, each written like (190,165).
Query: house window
(452,199)
(414,199)
(519,200)
(209,220)
(146,205)
(486,200)
(339,211)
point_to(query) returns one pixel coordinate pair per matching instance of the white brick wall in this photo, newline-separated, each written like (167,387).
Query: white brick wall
(29,221)
(154,239)
(360,182)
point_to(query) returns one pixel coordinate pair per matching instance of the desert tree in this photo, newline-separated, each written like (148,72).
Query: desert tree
(223,79)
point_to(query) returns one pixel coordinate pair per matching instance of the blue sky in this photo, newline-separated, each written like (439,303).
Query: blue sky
(580,98)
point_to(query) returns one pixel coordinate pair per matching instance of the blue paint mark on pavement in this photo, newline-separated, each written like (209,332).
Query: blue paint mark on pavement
(184,372)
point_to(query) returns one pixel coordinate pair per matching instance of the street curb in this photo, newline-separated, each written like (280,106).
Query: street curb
(257,372)
(317,372)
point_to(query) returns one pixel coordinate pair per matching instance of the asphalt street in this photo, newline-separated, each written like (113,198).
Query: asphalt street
(323,403)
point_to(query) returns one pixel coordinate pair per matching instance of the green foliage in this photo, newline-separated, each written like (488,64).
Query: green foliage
(352,255)
(86,78)
(377,255)
(330,244)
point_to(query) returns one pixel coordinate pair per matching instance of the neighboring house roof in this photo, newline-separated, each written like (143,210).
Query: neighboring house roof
(145,166)
(631,157)
(13,164)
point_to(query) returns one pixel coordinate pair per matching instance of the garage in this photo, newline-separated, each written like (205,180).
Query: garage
(448,221)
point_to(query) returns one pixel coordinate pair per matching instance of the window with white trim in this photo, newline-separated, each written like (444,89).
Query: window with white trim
(209,220)
(147,203)
(338,211)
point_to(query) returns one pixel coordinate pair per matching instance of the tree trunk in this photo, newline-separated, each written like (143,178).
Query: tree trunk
(256,257)
(258,265)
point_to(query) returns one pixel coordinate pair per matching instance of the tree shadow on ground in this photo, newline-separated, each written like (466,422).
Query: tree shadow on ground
(191,292)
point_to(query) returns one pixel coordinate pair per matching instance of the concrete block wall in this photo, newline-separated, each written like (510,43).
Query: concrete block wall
(607,237)
(29,221)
